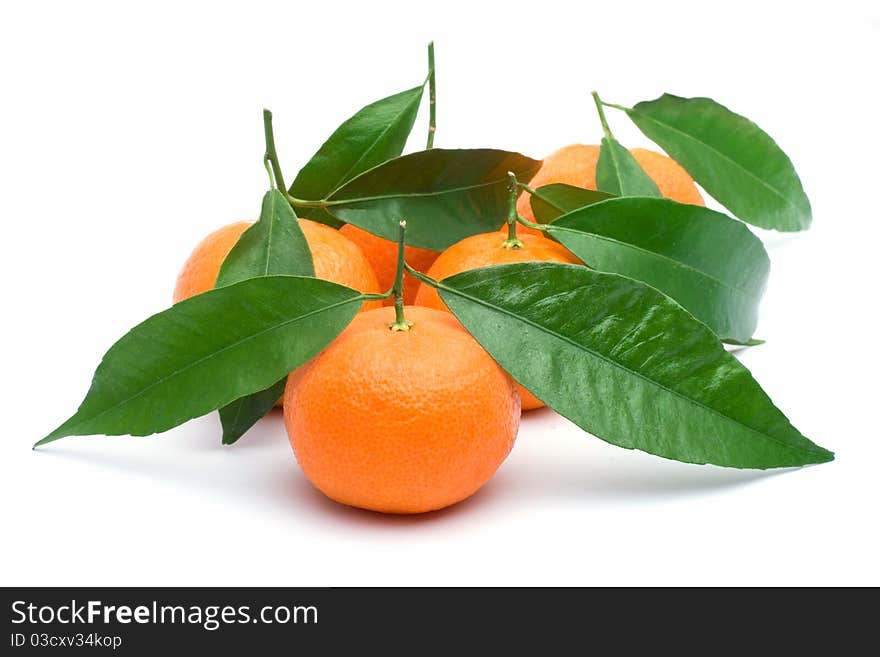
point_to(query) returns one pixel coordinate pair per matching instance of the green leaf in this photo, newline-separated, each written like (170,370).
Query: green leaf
(730,157)
(243,413)
(626,363)
(444,195)
(709,263)
(275,244)
(209,350)
(557,199)
(375,134)
(618,173)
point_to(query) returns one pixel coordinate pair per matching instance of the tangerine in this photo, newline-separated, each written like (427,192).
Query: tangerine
(576,165)
(335,258)
(401,421)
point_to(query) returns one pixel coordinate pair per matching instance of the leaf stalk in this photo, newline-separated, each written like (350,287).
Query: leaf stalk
(602,119)
(517,216)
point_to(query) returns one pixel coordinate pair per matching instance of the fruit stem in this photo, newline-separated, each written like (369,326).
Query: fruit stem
(512,241)
(602,118)
(517,216)
(432,98)
(399,323)
(271,156)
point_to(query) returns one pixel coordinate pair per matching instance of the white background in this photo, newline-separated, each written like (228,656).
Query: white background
(128,134)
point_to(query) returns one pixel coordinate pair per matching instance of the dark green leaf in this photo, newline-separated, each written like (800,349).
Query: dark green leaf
(208,351)
(377,133)
(709,263)
(243,413)
(444,195)
(275,244)
(618,173)
(555,200)
(626,363)
(730,157)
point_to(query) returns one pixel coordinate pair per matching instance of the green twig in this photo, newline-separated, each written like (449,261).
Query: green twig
(432,98)
(512,241)
(517,216)
(602,118)
(271,155)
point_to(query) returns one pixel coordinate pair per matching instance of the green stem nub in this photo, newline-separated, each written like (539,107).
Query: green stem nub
(512,241)
(399,323)
(271,156)
(601,109)
(432,98)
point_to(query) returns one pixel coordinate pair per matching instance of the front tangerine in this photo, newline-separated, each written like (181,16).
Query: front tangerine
(401,421)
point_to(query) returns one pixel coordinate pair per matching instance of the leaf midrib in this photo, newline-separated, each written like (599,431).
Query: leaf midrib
(615,156)
(452,190)
(268,249)
(639,375)
(612,154)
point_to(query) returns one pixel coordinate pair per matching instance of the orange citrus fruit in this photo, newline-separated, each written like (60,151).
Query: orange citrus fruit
(482,251)
(382,255)
(335,257)
(576,165)
(401,421)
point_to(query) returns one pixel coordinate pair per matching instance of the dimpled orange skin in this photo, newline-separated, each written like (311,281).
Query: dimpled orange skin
(576,165)
(382,255)
(482,251)
(335,259)
(401,421)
